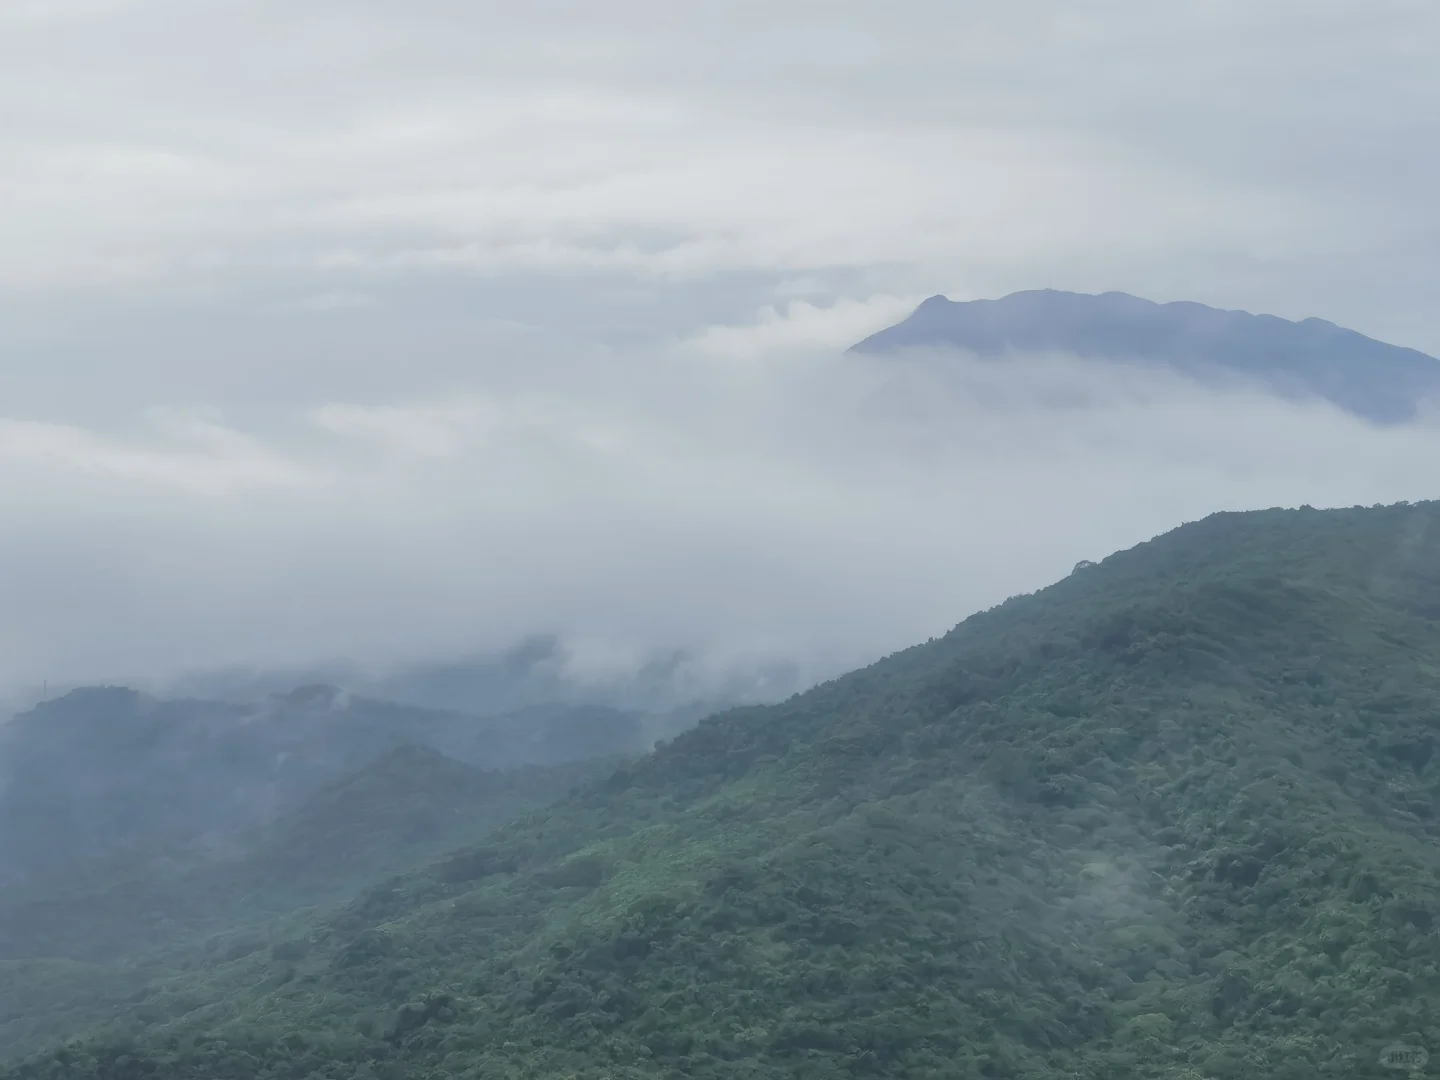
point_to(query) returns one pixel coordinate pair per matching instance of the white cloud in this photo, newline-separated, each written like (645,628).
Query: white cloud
(802,324)
(199,456)
(816,506)
(336,300)
(467,320)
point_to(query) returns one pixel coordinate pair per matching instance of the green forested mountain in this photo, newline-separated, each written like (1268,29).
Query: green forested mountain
(138,834)
(395,813)
(107,772)
(81,942)
(1175,816)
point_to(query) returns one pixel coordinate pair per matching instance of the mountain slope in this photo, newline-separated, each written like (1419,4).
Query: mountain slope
(108,771)
(1381,382)
(136,832)
(77,947)
(392,815)
(1174,816)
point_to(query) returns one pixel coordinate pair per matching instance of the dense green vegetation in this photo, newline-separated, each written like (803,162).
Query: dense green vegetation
(125,819)
(1174,816)
(140,837)
(392,815)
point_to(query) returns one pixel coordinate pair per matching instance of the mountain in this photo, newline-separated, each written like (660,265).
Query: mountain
(135,830)
(138,833)
(1174,816)
(393,814)
(369,824)
(74,947)
(108,770)
(1383,383)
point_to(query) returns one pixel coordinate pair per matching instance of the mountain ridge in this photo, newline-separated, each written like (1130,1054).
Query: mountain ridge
(1312,357)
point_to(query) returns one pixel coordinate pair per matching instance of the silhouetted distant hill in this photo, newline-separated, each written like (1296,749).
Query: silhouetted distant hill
(1380,382)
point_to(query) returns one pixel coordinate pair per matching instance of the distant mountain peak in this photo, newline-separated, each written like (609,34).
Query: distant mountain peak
(1311,358)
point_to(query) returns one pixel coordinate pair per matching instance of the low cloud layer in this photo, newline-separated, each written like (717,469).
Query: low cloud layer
(724,495)
(373,331)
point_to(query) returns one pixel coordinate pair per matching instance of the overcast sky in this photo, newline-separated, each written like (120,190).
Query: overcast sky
(385,330)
